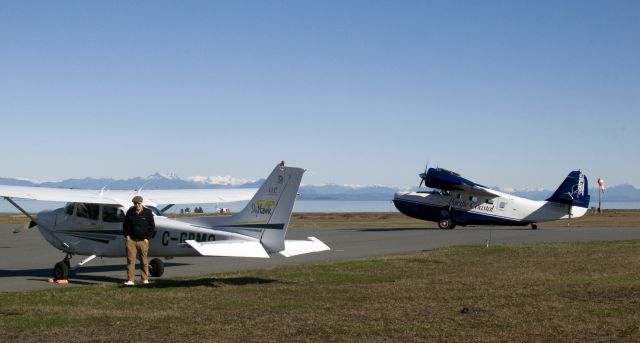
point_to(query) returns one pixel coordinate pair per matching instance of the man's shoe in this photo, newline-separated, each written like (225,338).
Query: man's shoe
(146,282)
(129,283)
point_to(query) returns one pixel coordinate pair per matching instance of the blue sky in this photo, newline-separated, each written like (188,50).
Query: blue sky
(508,93)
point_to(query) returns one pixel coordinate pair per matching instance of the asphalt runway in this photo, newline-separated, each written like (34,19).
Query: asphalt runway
(27,260)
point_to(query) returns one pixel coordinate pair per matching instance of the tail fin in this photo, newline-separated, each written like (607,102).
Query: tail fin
(573,191)
(269,211)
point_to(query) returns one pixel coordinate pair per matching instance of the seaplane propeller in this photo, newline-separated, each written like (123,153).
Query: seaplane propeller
(423,176)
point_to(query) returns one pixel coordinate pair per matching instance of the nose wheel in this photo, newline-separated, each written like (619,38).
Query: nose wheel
(61,269)
(446,224)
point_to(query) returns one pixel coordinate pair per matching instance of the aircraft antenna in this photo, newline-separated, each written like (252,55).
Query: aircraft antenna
(104,188)
(140,188)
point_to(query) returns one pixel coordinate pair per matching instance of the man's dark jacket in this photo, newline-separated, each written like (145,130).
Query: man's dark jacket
(139,226)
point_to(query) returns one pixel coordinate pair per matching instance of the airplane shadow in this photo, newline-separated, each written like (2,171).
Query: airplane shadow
(210,282)
(86,276)
(395,229)
(82,275)
(503,228)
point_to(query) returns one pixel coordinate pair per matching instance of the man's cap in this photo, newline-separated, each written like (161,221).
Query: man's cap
(137,198)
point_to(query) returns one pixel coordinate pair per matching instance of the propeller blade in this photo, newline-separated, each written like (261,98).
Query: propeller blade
(421,182)
(25,227)
(21,228)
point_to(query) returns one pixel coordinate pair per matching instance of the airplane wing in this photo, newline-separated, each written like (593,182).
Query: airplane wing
(56,194)
(119,197)
(443,179)
(196,196)
(480,190)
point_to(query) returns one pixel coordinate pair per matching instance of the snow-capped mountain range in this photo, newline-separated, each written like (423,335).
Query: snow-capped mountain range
(623,192)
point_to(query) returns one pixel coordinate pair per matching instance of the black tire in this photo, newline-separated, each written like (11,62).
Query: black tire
(445,224)
(534,227)
(61,271)
(156,267)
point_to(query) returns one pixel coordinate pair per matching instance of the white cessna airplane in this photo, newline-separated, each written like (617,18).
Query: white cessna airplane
(455,200)
(91,223)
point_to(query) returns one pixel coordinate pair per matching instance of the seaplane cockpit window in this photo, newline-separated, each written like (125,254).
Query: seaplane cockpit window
(89,211)
(112,214)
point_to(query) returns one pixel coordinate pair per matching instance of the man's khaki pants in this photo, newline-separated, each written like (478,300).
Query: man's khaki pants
(137,249)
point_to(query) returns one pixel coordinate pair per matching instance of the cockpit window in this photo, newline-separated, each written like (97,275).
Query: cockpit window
(69,208)
(112,214)
(89,211)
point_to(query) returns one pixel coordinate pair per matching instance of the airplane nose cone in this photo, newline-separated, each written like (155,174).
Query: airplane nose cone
(46,218)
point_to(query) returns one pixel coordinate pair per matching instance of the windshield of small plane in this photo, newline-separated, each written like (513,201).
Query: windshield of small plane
(89,211)
(112,214)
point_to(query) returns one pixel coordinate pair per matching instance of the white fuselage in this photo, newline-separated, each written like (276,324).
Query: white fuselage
(465,208)
(83,236)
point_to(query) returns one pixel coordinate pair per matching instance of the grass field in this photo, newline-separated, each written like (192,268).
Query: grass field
(546,292)
(609,218)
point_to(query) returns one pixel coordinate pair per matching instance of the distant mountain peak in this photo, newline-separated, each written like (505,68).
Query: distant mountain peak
(165,176)
(220,180)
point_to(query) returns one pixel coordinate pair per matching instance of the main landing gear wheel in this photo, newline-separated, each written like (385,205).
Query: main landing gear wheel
(156,267)
(534,227)
(446,224)
(61,270)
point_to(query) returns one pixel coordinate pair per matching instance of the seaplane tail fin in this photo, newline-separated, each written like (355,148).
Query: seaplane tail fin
(573,191)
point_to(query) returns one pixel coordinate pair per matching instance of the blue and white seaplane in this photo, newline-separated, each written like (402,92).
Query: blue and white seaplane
(454,200)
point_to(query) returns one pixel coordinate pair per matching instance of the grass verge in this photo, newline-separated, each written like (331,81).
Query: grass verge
(546,292)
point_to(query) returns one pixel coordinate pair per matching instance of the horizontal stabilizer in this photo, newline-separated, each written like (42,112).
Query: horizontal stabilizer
(293,248)
(230,248)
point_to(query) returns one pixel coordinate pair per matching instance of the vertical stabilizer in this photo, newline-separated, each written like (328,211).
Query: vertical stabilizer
(573,191)
(270,209)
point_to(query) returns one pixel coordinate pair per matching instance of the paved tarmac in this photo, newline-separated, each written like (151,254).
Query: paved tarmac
(26,259)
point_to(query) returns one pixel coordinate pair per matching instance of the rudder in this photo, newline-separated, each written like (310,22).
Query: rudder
(270,208)
(573,191)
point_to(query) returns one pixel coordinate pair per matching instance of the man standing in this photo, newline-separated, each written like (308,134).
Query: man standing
(138,228)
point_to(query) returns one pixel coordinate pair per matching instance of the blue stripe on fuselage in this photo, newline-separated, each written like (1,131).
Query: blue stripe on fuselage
(433,213)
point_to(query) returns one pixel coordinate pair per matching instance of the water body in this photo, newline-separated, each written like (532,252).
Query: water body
(300,206)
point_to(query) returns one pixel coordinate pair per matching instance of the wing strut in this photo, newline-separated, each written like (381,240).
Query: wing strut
(20,209)
(166,208)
